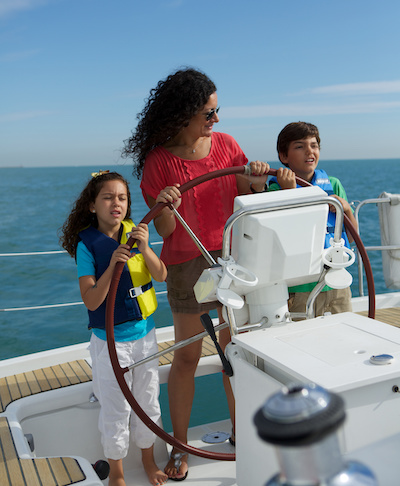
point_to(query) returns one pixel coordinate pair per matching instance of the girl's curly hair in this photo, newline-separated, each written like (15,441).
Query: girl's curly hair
(169,108)
(81,217)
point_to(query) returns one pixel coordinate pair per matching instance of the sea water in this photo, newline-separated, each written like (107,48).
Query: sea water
(34,204)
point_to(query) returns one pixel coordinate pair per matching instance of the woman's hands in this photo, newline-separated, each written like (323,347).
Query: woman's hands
(256,181)
(258,178)
(170,194)
(165,222)
(259,168)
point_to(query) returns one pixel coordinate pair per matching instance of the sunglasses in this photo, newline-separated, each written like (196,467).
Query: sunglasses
(211,113)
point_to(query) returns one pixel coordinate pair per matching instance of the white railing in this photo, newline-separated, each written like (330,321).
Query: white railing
(49,306)
(382,248)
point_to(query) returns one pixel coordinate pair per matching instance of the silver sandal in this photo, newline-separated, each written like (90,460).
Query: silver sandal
(177,457)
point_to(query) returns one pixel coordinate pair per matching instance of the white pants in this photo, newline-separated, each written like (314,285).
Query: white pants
(115,411)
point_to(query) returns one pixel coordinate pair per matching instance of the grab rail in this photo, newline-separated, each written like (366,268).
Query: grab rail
(49,306)
(361,204)
(35,253)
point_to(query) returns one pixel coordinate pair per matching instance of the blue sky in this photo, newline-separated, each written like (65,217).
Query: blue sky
(74,73)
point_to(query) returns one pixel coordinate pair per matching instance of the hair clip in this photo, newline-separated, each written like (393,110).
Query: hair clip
(101,172)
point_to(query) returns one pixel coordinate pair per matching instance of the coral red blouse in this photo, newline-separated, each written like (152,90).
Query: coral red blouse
(207,206)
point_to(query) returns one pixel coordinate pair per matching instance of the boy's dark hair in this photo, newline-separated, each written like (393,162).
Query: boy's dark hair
(295,131)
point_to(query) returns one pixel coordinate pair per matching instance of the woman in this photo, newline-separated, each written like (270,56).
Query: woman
(173,143)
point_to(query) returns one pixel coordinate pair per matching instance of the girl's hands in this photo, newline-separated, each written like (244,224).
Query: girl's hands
(155,266)
(121,254)
(94,291)
(141,234)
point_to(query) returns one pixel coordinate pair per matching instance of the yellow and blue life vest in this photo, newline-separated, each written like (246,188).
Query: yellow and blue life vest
(136,297)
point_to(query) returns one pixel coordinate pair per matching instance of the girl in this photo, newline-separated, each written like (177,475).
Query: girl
(96,233)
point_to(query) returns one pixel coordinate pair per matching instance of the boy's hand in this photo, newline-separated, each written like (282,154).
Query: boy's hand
(347,211)
(286,178)
(141,234)
(346,206)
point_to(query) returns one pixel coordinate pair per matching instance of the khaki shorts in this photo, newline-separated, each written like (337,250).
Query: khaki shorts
(180,281)
(333,301)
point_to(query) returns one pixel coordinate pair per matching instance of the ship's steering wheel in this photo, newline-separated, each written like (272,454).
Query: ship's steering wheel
(120,372)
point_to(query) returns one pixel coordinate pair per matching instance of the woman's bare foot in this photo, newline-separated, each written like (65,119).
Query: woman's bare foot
(177,467)
(154,473)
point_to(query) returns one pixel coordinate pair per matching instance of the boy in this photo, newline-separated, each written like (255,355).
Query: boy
(298,148)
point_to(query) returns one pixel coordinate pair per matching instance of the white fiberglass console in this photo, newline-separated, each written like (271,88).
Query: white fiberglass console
(282,245)
(352,355)
(277,241)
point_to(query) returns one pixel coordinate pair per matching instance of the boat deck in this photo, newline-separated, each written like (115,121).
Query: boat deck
(45,379)
(56,471)
(389,316)
(62,471)
(25,384)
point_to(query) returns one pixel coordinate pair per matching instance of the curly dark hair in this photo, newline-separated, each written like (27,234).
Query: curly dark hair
(169,108)
(81,217)
(295,131)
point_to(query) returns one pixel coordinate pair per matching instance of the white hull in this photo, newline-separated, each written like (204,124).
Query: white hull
(63,422)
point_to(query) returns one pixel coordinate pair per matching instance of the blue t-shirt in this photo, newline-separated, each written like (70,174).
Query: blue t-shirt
(127,331)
